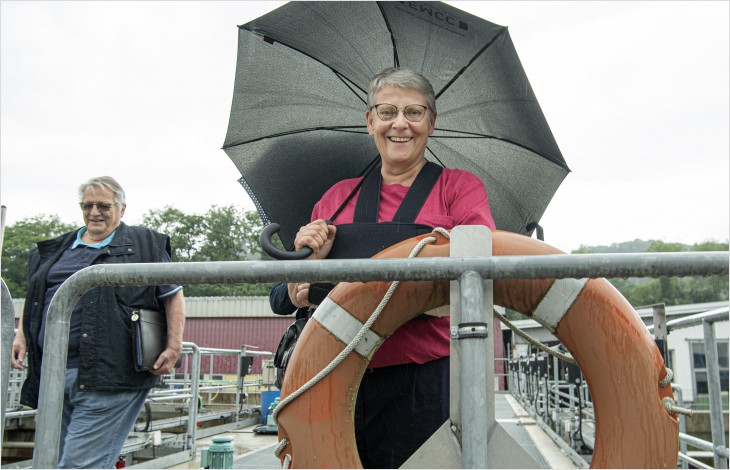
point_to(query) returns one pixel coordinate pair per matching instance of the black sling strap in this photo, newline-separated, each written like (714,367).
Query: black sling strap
(368,202)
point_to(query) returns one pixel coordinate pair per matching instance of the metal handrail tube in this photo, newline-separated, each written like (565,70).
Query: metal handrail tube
(686,458)
(224,352)
(158,398)
(233,384)
(259,353)
(21,414)
(720,314)
(227,272)
(567,395)
(704,445)
(233,352)
(205,388)
(410,269)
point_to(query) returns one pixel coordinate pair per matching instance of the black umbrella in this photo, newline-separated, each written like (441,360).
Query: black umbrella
(297,123)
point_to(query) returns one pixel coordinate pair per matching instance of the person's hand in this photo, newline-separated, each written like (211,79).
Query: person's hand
(299,294)
(19,350)
(318,236)
(165,364)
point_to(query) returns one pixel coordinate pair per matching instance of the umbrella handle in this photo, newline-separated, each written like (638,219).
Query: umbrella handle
(265,240)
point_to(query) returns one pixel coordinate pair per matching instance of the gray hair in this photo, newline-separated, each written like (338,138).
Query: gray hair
(104,182)
(403,78)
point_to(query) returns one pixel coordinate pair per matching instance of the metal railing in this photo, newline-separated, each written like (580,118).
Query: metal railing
(173,392)
(471,268)
(555,393)
(189,390)
(718,446)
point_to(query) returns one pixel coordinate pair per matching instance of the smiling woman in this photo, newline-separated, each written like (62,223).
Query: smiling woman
(405,397)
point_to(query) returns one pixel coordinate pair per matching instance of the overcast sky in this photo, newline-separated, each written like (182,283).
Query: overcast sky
(636,94)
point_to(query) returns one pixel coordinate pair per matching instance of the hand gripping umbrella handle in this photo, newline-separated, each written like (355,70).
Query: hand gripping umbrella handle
(265,239)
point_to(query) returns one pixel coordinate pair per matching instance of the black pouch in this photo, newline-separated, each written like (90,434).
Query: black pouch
(285,349)
(149,338)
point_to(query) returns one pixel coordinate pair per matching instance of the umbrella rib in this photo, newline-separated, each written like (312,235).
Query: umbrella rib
(433,154)
(396,61)
(347,84)
(472,135)
(463,69)
(270,40)
(298,131)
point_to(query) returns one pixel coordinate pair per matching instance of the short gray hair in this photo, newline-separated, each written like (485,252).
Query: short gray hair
(104,182)
(403,78)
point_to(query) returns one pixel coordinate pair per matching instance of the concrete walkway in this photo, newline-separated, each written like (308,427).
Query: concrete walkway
(257,450)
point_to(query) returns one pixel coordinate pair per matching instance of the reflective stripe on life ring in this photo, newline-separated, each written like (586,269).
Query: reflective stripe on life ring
(597,325)
(344,327)
(557,301)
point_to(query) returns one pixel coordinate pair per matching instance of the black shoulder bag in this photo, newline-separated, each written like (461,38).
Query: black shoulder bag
(286,348)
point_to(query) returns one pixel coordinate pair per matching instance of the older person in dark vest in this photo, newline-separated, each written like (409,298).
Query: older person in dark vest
(104,392)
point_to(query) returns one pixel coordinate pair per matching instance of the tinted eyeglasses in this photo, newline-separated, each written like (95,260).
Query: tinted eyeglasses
(100,206)
(412,112)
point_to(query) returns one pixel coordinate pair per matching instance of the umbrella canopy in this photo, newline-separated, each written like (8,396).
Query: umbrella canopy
(297,123)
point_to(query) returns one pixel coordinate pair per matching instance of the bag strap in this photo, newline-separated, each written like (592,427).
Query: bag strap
(417,195)
(368,202)
(374,165)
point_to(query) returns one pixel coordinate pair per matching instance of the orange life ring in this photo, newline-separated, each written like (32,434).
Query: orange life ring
(599,327)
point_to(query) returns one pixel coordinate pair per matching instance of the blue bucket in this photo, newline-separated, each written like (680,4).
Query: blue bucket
(267,398)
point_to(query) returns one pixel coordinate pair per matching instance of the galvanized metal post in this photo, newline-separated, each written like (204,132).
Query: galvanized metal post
(194,389)
(713,385)
(556,401)
(472,352)
(8,333)
(240,379)
(660,330)
(3,210)
(679,398)
(53,372)
(474,383)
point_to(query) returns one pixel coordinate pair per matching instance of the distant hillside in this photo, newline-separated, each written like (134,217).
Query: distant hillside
(670,290)
(635,246)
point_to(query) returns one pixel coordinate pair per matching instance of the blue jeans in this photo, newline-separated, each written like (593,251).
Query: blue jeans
(95,424)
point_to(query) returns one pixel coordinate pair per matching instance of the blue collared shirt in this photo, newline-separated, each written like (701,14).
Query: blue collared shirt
(101,244)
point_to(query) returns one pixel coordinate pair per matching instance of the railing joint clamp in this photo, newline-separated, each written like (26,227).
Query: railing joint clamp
(470,330)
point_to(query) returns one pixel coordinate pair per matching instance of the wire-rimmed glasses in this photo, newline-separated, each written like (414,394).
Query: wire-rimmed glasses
(412,112)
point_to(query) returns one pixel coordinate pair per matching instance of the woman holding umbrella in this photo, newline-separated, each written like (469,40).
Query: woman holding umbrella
(404,396)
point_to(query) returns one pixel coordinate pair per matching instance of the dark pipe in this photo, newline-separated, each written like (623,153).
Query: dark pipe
(265,240)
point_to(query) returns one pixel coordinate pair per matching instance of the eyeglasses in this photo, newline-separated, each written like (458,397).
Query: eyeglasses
(100,206)
(412,112)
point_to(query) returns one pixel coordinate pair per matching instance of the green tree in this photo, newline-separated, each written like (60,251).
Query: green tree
(187,232)
(18,239)
(222,234)
(669,290)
